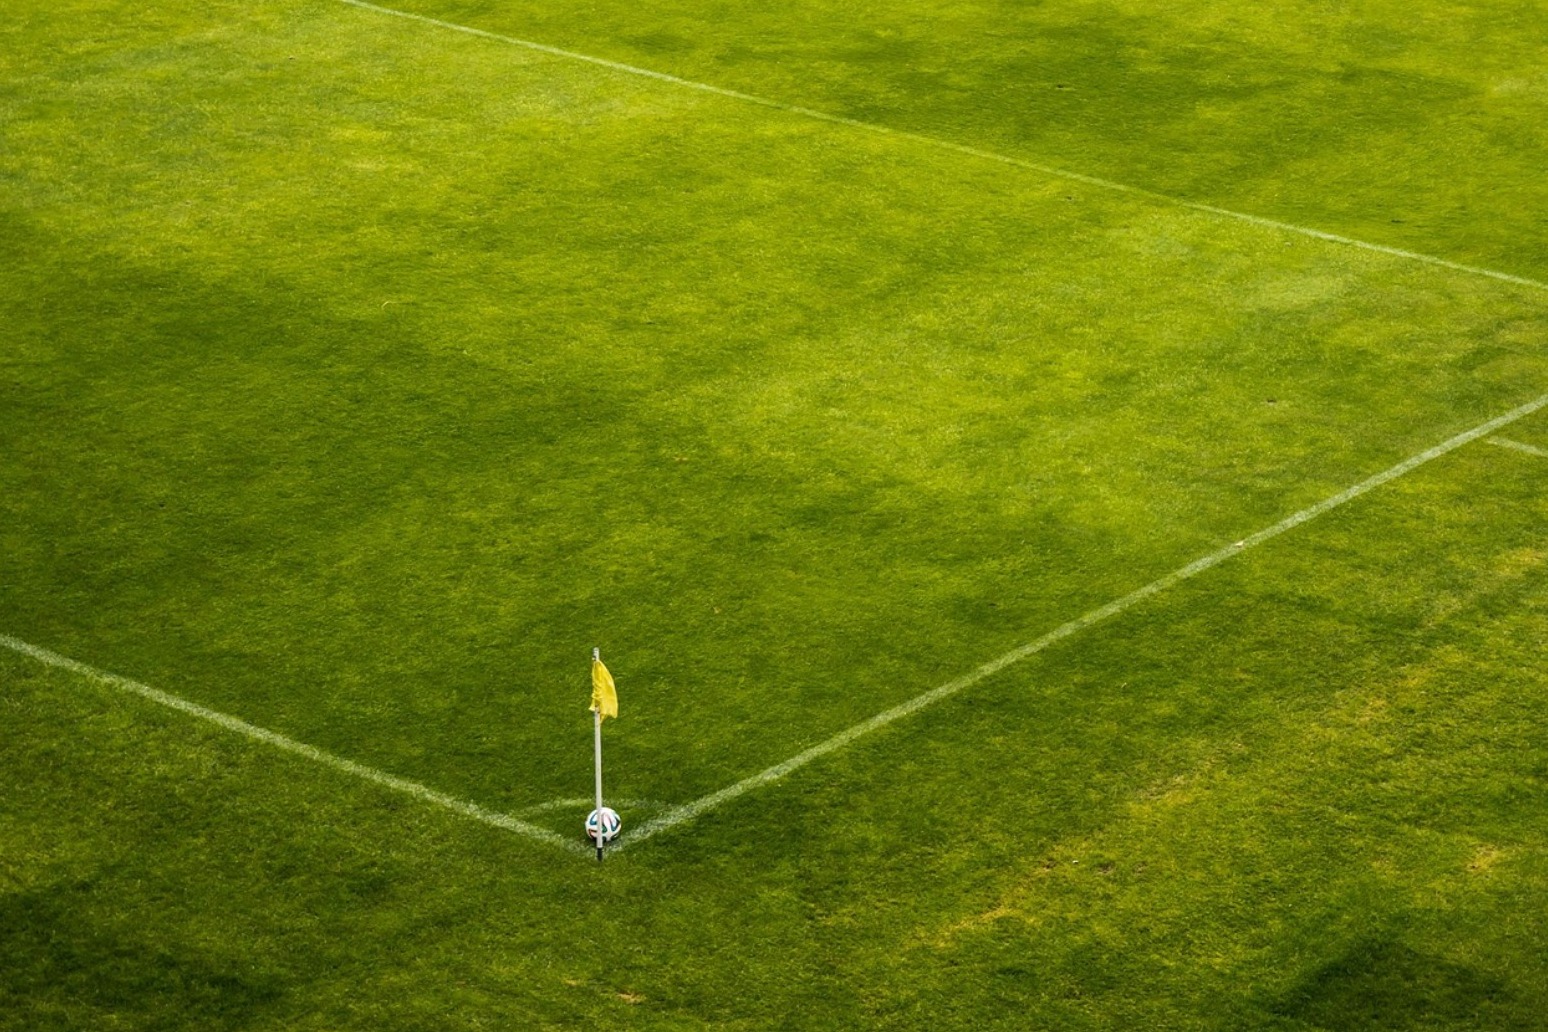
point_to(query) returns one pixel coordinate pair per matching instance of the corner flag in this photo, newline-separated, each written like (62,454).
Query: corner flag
(604,703)
(604,696)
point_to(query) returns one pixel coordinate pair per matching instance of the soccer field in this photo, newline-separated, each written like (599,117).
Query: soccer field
(1060,488)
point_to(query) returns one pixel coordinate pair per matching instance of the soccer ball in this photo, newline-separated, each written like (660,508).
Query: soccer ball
(611,825)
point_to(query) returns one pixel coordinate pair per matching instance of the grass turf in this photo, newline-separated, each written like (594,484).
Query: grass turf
(361,375)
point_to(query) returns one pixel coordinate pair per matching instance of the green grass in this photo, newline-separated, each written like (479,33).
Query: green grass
(359,375)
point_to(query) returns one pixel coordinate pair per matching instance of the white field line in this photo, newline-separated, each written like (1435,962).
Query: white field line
(689,811)
(279,741)
(698,807)
(1505,442)
(960,148)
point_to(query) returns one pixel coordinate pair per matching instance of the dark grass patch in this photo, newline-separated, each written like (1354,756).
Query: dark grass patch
(66,963)
(1384,985)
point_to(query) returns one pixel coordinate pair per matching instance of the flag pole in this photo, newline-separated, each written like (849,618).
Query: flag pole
(596,716)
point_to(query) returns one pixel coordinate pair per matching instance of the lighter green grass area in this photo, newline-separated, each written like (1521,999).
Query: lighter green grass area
(1414,125)
(357,377)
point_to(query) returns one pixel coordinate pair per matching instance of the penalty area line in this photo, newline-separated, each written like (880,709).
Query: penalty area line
(959,148)
(697,808)
(290,745)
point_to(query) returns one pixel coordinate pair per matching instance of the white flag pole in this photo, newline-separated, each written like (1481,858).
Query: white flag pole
(596,657)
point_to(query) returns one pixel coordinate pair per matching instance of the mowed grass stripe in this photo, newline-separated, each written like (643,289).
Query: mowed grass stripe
(960,148)
(701,806)
(290,745)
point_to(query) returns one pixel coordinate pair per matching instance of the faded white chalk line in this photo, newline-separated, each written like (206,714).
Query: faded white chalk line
(1526,449)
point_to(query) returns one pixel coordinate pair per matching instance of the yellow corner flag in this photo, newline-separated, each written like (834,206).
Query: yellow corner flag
(604,695)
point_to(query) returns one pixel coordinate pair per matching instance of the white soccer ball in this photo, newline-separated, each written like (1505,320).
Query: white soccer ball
(611,825)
